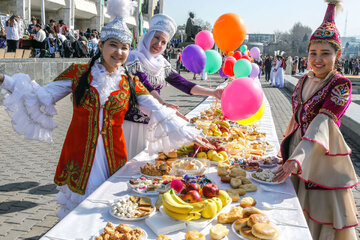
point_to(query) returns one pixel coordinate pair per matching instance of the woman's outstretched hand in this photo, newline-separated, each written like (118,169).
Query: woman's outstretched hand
(203,142)
(179,114)
(285,170)
(218,93)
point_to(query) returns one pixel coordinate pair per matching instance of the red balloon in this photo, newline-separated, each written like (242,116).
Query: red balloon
(246,57)
(228,66)
(237,55)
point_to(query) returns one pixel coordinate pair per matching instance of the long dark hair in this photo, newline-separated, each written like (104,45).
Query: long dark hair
(84,85)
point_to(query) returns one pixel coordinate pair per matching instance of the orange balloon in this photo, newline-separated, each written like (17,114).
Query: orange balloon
(229,31)
(229,54)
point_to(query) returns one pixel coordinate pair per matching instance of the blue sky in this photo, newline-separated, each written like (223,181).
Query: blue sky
(267,16)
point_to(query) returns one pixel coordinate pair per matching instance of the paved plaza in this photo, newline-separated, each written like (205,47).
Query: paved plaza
(27,191)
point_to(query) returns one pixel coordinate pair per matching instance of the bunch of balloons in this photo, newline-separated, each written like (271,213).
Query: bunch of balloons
(199,56)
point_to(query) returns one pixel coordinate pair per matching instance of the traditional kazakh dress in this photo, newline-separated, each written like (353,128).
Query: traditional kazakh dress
(279,74)
(314,140)
(94,147)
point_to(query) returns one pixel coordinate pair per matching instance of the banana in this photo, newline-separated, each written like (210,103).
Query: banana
(225,124)
(210,210)
(171,202)
(199,206)
(178,216)
(218,203)
(224,197)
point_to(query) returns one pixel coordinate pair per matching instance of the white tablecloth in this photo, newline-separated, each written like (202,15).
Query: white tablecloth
(89,218)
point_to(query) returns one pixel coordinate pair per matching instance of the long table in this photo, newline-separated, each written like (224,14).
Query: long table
(90,217)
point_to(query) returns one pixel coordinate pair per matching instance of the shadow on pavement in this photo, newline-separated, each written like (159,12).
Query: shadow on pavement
(15,206)
(44,190)
(12,187)
(33,238)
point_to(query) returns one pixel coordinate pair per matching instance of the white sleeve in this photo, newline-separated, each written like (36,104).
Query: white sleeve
(166,131)
(32,107)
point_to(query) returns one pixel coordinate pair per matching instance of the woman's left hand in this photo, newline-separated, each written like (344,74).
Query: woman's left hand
(218,93)
(203,142)
(285,170)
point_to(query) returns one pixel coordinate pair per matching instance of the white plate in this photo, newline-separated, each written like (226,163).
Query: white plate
(151,193)
(264,182)
(236,232)
(144,236)
(131,219)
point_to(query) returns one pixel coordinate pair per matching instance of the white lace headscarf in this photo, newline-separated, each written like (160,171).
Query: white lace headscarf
(155,66)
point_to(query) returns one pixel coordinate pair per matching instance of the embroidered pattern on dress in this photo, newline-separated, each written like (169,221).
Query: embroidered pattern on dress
(330,114)
(340,94)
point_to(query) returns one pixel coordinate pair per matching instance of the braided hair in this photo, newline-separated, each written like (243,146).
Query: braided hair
(84,85)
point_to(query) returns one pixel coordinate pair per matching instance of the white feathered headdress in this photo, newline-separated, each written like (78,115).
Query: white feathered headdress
(117,28)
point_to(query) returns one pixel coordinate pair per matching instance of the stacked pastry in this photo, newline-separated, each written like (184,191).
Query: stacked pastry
(255,225)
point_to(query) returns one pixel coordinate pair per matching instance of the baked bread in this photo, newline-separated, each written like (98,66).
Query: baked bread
(230,217)
(247,202)
(162,156)
(247,212)
(225,179)
(265,231)
(244,180)
(240,223)
(235,182)
(145,202)
(222,169)
(163,237)
(237,172)
(249,187)
(218,232)
(247,233)
(257,218)
(194,235)
(172,154)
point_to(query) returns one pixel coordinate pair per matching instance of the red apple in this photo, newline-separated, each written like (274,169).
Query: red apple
(221,149)
(224,129)
(210,190)
(192,186)
(192,196)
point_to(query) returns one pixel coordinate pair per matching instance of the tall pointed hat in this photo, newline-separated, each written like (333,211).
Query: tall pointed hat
(119,10)
(327,30)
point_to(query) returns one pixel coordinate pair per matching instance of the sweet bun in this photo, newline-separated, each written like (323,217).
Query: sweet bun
(247,233)
(240,223)
(218,232)
(172,154)
(249,187)
(264,231)
(247,212)
(257,218)
(237,172)
(247,202)
(194,235)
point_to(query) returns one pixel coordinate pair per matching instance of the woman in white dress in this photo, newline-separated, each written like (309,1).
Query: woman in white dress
(154,71)
(279,72)
(103,91)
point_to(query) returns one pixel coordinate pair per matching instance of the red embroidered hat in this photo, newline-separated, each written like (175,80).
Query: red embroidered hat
(327,30)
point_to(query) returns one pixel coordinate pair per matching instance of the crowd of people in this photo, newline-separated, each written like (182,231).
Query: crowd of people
(53,39)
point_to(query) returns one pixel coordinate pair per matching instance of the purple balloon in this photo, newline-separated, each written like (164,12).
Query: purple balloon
(194,58)
(255,52)
(255,70)
(222,74)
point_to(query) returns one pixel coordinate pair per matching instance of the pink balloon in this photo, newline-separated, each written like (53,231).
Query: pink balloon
(205,40)
(241,99)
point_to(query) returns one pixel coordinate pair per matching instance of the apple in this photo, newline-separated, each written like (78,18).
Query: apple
(224,154)
(192,186)
(192,196)
(210,190)
(224,129)
(210,153)
(201,155)
(221,149)
(217,157)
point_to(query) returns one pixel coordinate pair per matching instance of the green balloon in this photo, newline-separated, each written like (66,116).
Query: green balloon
(243,48)
(213,61)
(242,68)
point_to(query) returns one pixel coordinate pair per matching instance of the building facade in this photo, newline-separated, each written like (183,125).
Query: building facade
(80,14)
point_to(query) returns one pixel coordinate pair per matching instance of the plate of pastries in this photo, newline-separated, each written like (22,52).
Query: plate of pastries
(123,232)
(132,208)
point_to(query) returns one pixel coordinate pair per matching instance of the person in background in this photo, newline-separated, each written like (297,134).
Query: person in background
(178,61)
(62,28)
(93,44)
(31,28)
(2,37)
(87,33)
(13,33)
(314,151)
(39,37)
(267,65)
